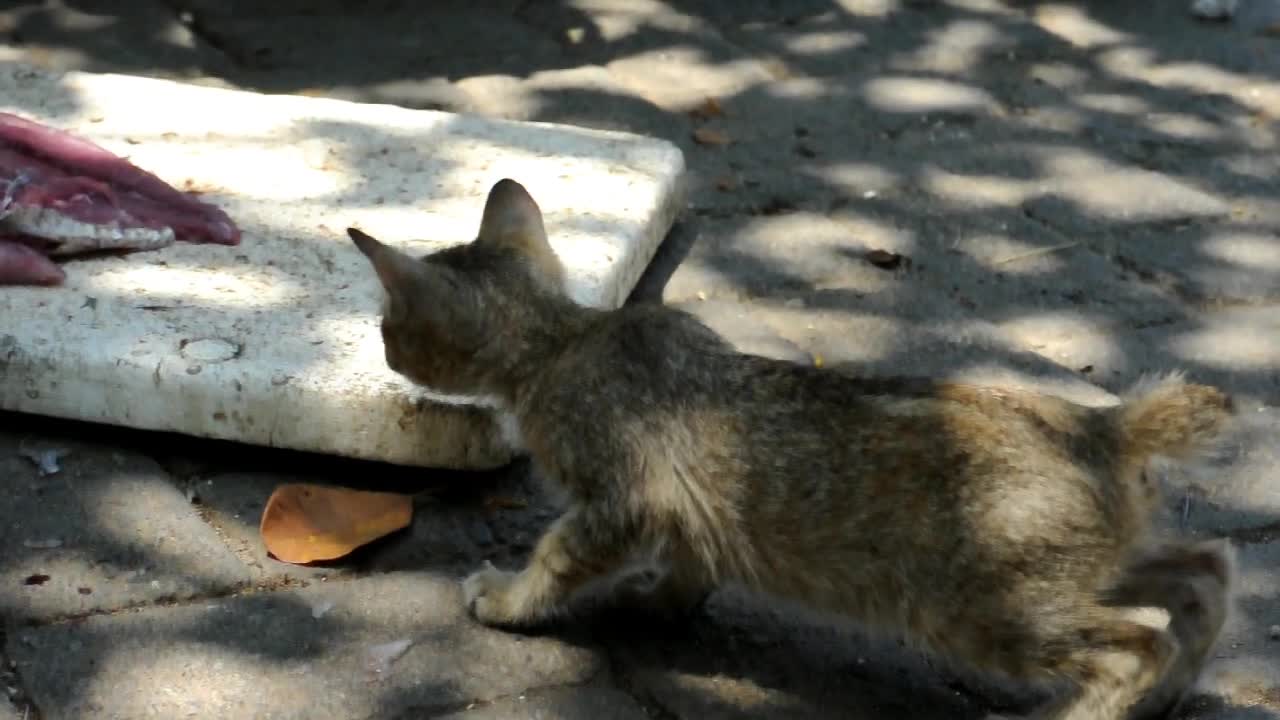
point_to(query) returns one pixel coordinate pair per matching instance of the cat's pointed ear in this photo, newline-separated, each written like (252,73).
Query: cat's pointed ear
(395,269)
(512,219)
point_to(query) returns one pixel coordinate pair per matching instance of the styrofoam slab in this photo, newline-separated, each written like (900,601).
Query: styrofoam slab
(276,342)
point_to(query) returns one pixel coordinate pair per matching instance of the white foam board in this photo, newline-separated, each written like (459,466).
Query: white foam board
(275,342)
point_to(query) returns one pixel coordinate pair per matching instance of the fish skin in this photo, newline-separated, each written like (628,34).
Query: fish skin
(64,195)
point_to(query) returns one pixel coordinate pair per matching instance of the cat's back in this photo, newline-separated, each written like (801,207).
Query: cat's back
(651,358)
(648,371)
(640,354)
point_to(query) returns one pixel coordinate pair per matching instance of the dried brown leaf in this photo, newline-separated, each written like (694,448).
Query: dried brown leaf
(306,523)
(884,259)
(708,109)
(707,136)
(501,502)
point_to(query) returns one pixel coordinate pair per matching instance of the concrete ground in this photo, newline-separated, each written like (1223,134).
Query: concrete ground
(1064,194)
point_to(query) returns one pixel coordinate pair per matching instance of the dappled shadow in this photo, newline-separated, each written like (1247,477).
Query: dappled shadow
(230,618)
(1085,191)
(940,110)
(741,658)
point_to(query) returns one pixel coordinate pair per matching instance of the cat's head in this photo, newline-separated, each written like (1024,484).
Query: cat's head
(452,319)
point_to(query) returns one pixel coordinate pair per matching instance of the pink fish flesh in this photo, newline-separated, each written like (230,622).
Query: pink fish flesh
(62,195)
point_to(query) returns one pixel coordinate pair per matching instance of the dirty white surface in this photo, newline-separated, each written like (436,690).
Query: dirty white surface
(275,341)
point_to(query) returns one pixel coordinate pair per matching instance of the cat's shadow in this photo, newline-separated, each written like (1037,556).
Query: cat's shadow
(740,656)
(735,656)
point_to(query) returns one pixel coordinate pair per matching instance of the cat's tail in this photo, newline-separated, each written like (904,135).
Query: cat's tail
(1168,416)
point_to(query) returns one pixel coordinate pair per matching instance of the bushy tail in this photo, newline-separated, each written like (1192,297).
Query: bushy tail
(1170,417)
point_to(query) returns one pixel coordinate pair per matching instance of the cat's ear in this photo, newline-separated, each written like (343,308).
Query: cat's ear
(421,292)
(400,274)
(512,219)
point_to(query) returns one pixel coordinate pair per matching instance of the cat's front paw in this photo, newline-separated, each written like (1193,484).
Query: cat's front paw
(485,594)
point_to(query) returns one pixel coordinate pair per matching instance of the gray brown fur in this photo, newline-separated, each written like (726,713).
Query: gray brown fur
(1007,530)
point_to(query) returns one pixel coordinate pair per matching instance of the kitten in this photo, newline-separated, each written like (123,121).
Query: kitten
(1004,529)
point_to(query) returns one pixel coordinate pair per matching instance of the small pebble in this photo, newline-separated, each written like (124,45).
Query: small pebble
(1274,632)
(1214,9)
(45,459)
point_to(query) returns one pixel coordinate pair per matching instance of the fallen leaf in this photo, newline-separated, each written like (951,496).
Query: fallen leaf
(1272,30)
(37,579)
(966,302)
(499,502)
(707,136)
(805,151)
(726,183)
(775,206)
(306,523)
(884,259)
(708,109)
(85,590)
